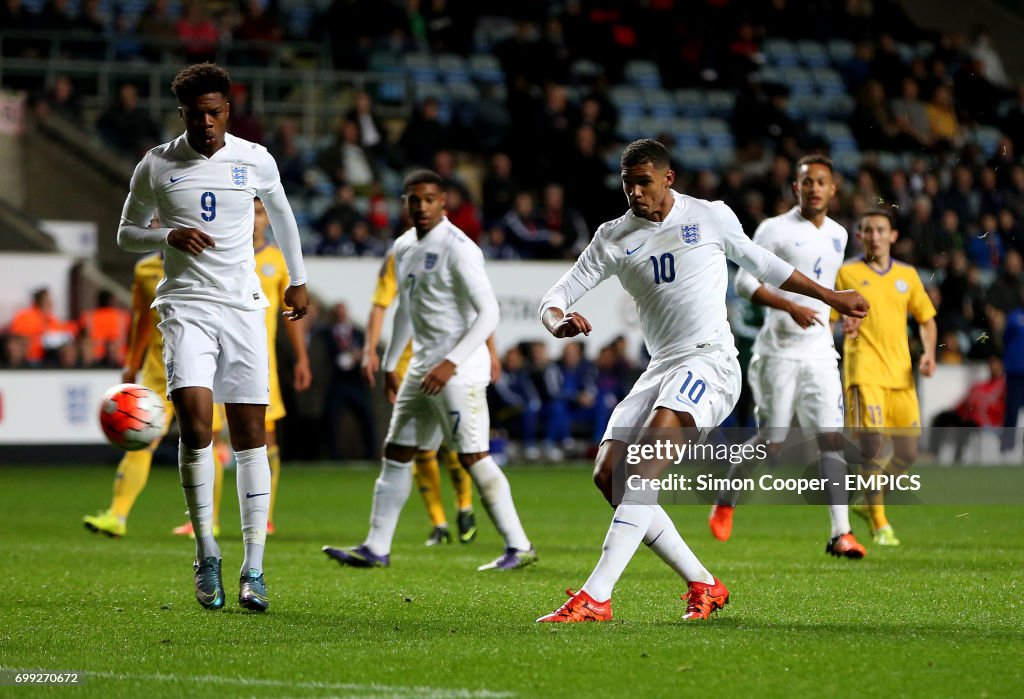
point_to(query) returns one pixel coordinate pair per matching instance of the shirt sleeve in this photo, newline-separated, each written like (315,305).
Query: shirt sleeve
(593,266)
(763,265)
(921,306)
(745,283)
(134,233)
(467,266)
(286,230)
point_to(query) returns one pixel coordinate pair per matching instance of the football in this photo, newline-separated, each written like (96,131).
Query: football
(131,416)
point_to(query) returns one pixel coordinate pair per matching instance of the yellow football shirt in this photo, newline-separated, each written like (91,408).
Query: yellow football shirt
(148,273)
(273,274)
(880,354)
(384,295)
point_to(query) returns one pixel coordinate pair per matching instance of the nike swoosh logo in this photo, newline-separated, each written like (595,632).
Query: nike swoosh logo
(192,486)
(619,521)
(206,596)
(630,252)
(255,495)
(179,179)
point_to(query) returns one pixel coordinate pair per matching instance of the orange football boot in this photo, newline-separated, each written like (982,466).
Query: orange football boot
(271,529)
(845,546)
(703,599)
(580,607)
(720,521)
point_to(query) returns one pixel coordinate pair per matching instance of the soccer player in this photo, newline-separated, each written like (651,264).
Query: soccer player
(202,185)
(271,269)
(878,374)
(448,308)
(794,370)
(669,252)
(145,352)
(425,468)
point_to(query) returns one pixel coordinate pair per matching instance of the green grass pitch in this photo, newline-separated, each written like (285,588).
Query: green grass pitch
(941,616)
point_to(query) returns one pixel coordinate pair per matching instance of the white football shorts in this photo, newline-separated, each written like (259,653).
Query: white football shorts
(217,347)
(812,391)
(458,414)
(705,384)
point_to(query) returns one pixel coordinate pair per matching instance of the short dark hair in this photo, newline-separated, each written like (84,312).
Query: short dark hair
(815,159)
(200,79)
(422,177)
(646,150)
(877,212)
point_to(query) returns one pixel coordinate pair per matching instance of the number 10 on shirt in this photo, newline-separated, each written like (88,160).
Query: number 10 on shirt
(664,268)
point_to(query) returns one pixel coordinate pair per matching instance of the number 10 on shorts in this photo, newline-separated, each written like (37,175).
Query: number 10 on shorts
(693,390)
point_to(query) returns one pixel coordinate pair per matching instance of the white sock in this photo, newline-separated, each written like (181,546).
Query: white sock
(663,538)
(629,524)
(389,495)
(496,495)
(195,468)
(252,479)
(832,467)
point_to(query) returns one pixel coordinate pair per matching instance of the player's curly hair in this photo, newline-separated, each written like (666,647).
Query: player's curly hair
(200,79)
(646,150)
(422,177)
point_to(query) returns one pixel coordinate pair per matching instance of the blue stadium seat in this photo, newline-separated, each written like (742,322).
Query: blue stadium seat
(812,53)
(692,159)
(798,80)
(889,161)
(840,51)
(716,132)
(630,127)
(841,105)
(627,99)
(987,138)
(642,74)
(808,106)
(659,102)
(486,69)
(654,126)
(421,67)
(780,52)
(847,161)
(691,103)
(686,132)
(721,103)
(771,74)
(907,52)
(828,81)
(724,156)
(839,136)
(453,68)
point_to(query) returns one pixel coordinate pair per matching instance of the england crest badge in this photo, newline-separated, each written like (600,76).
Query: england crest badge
(430,261)
(240,175)
(690,233)
(838,244)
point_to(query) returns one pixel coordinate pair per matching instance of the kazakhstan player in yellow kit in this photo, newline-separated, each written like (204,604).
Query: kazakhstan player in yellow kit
(145,352)
(878,374)
(425,467)
(273,276)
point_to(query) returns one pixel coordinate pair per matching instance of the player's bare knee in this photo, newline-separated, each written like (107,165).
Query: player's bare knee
(194,434)
(773,449)
(905,451)
(830,441)
(468,460)
(400,453)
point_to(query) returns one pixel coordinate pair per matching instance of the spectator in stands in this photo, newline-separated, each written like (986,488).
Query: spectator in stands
(514,399)
(1013,121)
(348,392)
(495,245)
(525,229)
(911,113)
(197,34)
(55,17)
(106,328)
(40,328)
(15,352)
(961,196)
(499,188)
(290,161)
(945,127)
(15,17)
(359,242)
(984,246)
(491,121)
(330,239)
(244,123)
(345,161)
(372,136)
(569,232)
(343,211)
(1013,360)
(1007,291)
(990,197)
(585,174)
(983,406)
(462,213)
(60,100)
(424,134)
(157,27)
(260,26)
(949,348)
(126,127)
(1010,231)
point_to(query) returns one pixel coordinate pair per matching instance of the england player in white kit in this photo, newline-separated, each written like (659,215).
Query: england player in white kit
(447,306)
(669,252)
(794,370)
(202,185)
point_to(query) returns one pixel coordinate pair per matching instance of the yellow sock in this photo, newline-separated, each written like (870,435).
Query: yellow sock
(218,485)
(461,481)
(274,456)
(876,498)
(132,474)
(428,480)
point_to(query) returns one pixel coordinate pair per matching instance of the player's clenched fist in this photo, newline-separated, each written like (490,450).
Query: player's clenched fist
(850,303)
(190,240)
(296,298)
(570,325)
(438,378)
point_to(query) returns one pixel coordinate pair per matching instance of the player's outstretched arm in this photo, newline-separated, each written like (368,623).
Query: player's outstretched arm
(756,292)
(563,325)
(848,302)
(929,337)
(492,350)
(302,373)
(374,328)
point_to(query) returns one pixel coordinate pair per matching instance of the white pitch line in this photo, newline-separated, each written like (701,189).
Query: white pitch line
(371,689)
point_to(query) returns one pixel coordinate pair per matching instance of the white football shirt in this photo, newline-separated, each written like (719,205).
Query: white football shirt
(676,272)
(215,195)
(818,253)
(446,300)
